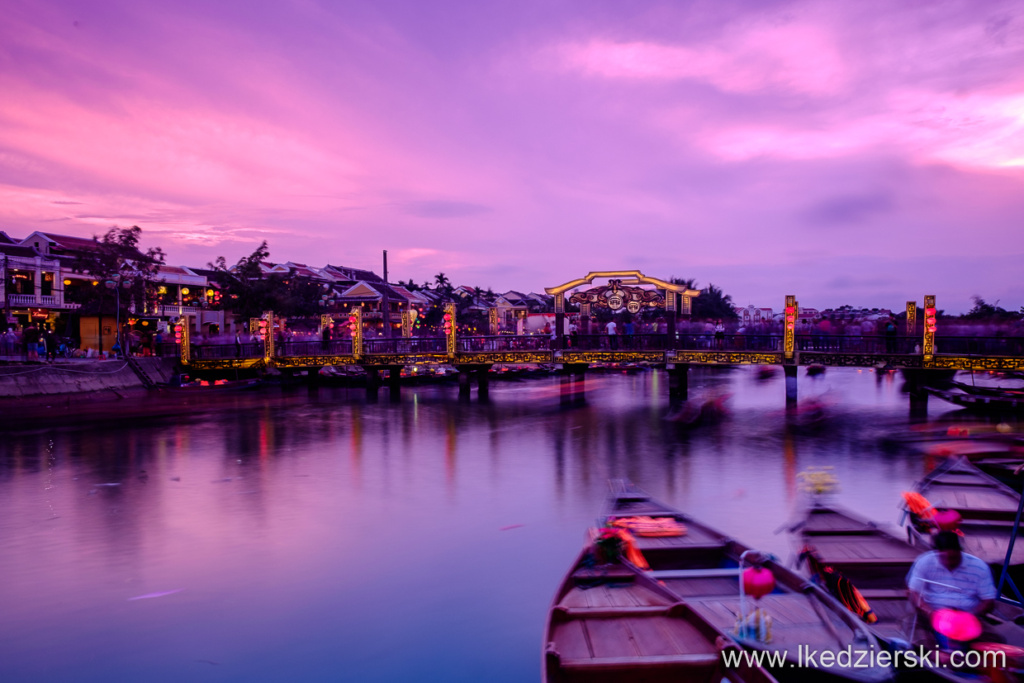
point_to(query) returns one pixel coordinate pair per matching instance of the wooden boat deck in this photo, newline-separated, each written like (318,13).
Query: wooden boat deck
(795,620)
(958,485)
(701,569)
(612,624)
(990,541)
(883,584)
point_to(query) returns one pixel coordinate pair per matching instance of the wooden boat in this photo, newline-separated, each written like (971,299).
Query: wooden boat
(703,568)
(997,455)
(958,485)
(876,561)
(982,399)
(987,508)
(610,623)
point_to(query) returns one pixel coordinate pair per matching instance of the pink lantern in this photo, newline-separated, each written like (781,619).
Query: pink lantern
(956,625)
(947,520)
(758,582)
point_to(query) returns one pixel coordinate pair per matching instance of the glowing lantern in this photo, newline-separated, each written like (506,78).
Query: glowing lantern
(790,318)
(67,282)
(956,625)
(184,290)
(929,319)
(209,292)
(758,582)
(947,520)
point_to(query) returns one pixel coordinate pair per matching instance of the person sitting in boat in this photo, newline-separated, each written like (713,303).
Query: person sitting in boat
(947,578)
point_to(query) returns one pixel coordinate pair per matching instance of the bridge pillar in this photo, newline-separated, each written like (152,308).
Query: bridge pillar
(790,372)
(916,381)
(573,384)
(372,384)
(678,382)
(394,382)
(483,383)
(465,381)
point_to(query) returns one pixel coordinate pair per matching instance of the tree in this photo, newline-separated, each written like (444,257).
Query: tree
(712,304)
(115,261)
(248,291)
(986,311)
(443,286)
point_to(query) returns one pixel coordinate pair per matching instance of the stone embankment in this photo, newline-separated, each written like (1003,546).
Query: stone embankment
(80,377)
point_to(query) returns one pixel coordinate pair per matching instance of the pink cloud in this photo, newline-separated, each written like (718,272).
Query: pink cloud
(786,56)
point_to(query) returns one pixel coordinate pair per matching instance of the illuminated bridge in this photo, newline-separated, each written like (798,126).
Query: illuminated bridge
(918,350)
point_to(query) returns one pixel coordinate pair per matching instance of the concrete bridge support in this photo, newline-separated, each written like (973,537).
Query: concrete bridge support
(394,383)
(372,384)
(466,375)
(574,384)
(483,383)
(790,372)
(916,381)
(678,382)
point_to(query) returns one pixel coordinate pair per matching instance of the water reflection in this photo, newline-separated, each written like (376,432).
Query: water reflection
(317,536)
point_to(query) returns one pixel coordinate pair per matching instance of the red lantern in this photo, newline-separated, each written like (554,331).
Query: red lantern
(758,582)
(947,520)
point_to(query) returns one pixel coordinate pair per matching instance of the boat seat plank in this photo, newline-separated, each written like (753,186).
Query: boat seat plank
(703,587)
(612,595)
(695,573)
(884,593)
(608,612)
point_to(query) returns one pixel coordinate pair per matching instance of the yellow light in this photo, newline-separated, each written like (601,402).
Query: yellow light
(95,282)
(161,290)
(209,292)
(184,290)
(67,282)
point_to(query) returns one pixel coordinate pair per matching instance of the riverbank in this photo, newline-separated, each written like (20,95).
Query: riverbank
(77,377)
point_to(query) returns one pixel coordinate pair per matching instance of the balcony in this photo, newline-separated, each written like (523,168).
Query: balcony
(21,299)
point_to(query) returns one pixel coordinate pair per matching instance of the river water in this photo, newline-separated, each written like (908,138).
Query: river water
(313,535)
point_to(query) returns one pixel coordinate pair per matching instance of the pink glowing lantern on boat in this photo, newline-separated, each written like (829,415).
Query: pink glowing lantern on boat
(947,520)
(758,582)
(956,624)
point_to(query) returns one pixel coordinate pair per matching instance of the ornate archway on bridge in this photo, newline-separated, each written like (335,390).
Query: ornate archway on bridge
(624,291)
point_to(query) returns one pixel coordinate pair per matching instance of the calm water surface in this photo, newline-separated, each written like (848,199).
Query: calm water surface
(313,536)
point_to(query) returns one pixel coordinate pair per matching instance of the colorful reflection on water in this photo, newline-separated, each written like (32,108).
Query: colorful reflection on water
(313,535)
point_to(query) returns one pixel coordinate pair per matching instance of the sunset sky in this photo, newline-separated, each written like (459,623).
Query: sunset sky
(861,153)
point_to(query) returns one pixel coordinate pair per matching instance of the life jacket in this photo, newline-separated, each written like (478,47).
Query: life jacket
(838,585)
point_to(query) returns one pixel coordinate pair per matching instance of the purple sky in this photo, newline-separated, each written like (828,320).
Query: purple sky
(861,153)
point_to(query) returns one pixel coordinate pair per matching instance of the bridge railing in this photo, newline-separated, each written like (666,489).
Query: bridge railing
(503,343)
(729,342)
(980,346)
(331,347)
(823,343)
(405,345)
(222,351)
(618,342)
(828,343)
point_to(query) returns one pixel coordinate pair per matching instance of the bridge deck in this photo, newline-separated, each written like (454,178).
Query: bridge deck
(958,353)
